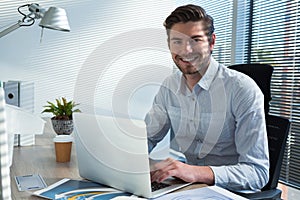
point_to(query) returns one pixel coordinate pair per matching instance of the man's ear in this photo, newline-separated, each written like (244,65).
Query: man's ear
(213,41)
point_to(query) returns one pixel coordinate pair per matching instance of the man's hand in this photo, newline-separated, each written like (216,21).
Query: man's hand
(188,173)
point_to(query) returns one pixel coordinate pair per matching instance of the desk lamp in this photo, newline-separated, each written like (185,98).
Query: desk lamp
(53,18)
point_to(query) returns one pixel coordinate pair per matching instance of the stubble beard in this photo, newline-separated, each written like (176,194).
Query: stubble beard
(199,69)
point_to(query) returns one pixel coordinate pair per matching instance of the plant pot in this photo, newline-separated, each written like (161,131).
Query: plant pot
(62,127)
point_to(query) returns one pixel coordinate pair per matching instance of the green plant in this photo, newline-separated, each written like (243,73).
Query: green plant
(62,110)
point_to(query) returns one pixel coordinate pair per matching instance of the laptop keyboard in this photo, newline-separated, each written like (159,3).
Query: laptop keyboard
(157,186)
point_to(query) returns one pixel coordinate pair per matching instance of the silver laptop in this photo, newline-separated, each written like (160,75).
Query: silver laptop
(113,151)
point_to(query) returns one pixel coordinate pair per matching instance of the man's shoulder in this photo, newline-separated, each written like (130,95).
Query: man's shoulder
(236,76)
(239,83)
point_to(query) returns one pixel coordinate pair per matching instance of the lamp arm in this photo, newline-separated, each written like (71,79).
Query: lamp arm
(11,28)
(37,12)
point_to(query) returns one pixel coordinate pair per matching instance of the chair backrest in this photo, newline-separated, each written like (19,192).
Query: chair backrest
(261,74)
(277,130)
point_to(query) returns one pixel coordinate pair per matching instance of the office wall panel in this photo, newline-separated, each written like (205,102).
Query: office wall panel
(54,61)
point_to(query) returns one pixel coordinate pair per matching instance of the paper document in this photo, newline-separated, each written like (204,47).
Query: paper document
(77,190)
(205,193)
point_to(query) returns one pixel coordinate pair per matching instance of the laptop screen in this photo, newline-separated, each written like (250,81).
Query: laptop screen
(113,151)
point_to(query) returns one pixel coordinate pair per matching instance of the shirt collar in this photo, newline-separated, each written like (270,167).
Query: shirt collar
(209,75)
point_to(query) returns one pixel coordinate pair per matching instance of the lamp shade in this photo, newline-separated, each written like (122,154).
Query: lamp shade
(55,18)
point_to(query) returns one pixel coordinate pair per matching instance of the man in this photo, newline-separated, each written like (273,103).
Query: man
(215,115)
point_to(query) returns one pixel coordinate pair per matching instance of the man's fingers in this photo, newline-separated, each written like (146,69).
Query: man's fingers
(162,170)
(160,176)
(163,164)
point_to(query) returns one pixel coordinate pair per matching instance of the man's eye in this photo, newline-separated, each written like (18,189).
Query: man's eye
(196,40)
(177,42)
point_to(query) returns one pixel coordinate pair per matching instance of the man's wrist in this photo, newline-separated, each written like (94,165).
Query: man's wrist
(205,175)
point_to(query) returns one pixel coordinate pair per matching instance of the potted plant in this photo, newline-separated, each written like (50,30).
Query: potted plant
(62,110)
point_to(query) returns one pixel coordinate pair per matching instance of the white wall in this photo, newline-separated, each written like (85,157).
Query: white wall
(55,63)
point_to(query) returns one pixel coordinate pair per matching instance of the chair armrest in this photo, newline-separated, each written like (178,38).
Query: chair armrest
(274,194)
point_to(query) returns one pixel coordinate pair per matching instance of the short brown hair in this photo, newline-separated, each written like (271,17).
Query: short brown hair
(192,13)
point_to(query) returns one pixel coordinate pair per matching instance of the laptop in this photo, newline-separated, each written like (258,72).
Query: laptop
(113,151)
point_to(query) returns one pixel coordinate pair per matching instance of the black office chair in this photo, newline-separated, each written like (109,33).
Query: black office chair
(277,129)
(261,74)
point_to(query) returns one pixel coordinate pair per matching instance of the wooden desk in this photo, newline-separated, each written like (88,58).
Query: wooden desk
(40,159)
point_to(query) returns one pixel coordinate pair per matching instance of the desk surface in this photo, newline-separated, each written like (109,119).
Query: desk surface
(40,159)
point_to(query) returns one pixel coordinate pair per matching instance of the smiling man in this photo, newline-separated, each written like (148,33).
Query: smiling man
(215,115)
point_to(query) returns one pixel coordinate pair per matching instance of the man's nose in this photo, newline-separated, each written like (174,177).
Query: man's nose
(188,47)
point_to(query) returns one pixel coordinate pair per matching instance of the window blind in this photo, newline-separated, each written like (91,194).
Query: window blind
(275,40)
(222,12)
(242,31)
(5,191)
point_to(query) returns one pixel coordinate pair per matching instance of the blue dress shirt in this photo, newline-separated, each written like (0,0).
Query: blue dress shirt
(220,123)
